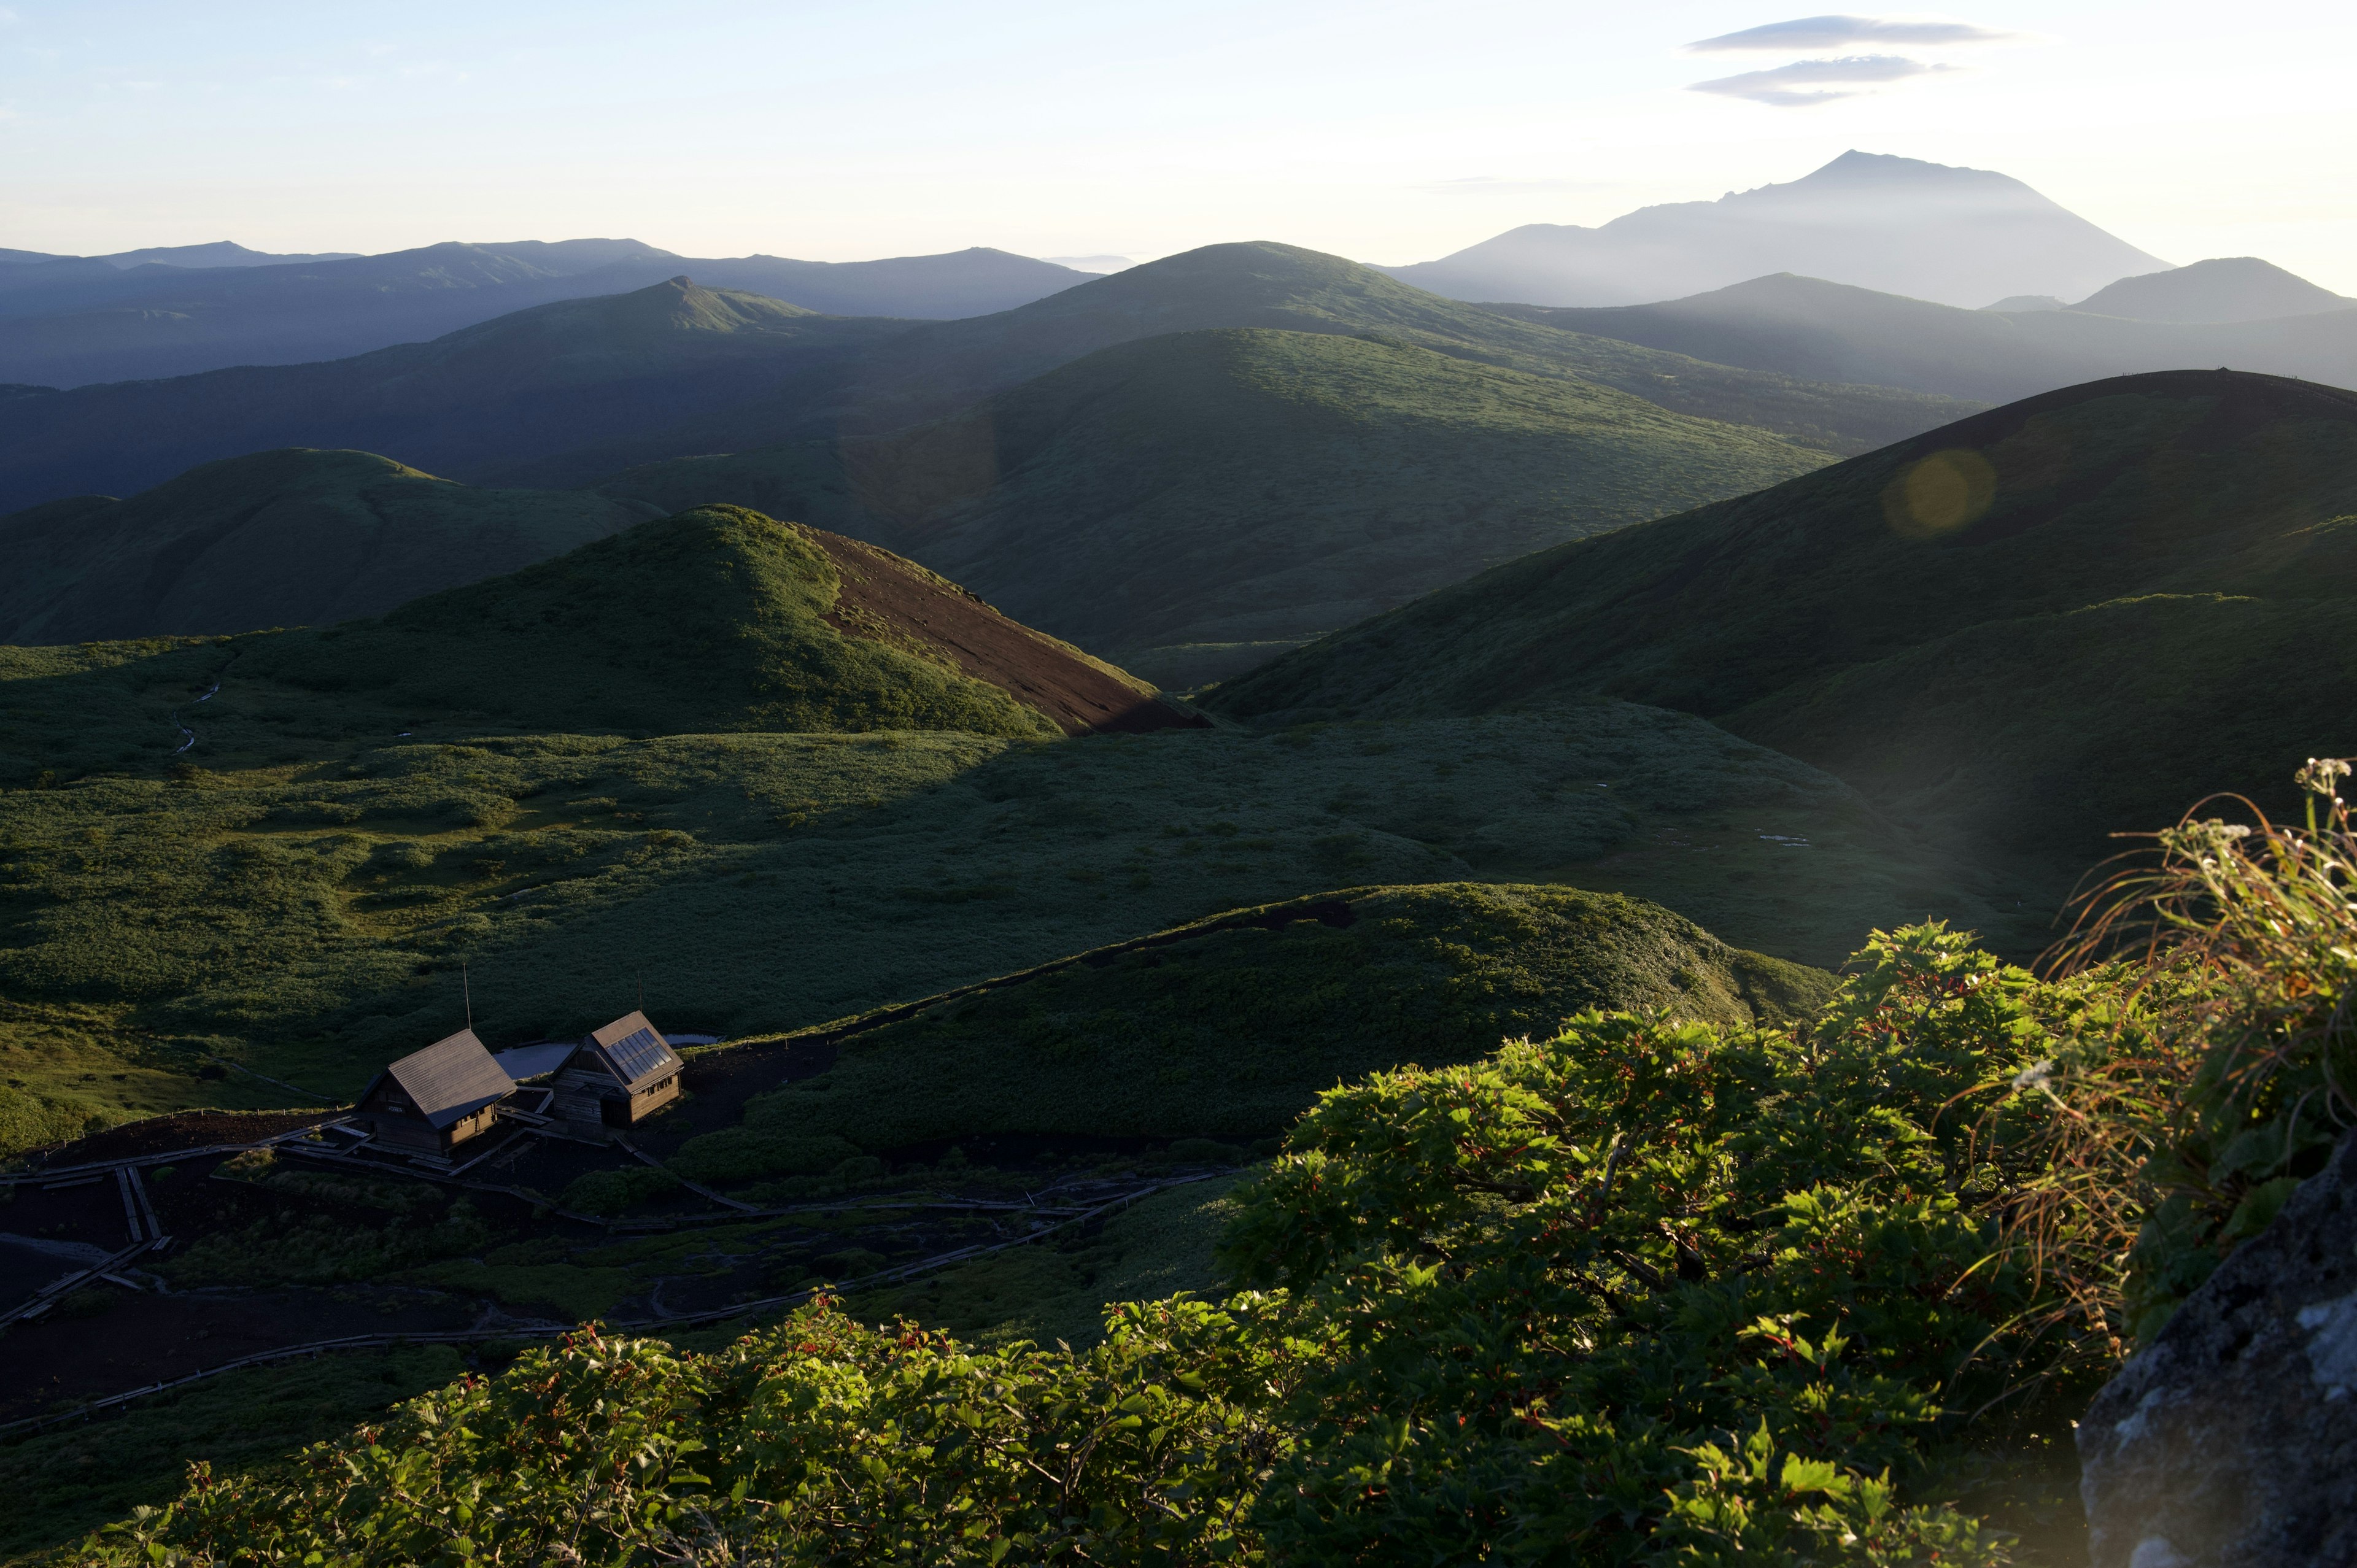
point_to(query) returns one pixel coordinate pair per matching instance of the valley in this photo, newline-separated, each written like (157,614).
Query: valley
(1394,924)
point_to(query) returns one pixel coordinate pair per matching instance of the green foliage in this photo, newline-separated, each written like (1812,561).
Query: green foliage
(1650,1291)
(2194,1118)
(619,1191)
(320,1249)
(1973,626)
(1231,1028)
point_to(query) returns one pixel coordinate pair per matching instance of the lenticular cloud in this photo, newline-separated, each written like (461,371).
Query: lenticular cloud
(1835,32)
(1808,82)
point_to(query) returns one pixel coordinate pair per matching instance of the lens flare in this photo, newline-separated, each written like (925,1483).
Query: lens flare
(1939,494)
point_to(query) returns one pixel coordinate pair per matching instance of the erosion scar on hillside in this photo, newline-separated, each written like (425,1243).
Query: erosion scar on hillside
(886,600)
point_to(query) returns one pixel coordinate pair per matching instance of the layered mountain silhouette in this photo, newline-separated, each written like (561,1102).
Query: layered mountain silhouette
(1957,236)
(2064,617)
(1193,502)
(510,389)
(276,539)
(69,324)
(1809,328)
(940,367)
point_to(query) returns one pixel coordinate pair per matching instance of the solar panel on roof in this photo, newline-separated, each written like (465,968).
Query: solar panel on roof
(639,1053)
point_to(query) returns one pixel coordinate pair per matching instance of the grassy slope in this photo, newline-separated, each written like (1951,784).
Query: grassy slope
(276,539)
(1195,502)
(1229,1029)
(708,620)
(525,384)
(302,900)
(941,367)
(1947,670)
(1806,327)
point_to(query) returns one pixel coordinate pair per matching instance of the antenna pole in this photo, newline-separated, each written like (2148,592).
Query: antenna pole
(468,985)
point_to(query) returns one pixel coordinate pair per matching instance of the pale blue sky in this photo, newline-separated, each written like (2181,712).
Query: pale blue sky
(1390,131)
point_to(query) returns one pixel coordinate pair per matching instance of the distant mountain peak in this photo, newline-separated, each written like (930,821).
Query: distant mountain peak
(1933,232)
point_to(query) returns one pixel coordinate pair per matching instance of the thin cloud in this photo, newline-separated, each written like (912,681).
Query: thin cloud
(1835,32)
(1808,82)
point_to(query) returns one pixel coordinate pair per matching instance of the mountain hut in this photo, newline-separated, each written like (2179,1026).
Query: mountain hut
(617,1076)
(434,1100)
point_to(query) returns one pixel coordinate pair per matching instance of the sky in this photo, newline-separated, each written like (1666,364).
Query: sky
(1384,130)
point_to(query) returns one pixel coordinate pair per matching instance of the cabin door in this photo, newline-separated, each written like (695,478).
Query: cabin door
(615,1111)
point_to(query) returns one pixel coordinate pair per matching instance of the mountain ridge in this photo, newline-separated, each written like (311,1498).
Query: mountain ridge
(1956,236)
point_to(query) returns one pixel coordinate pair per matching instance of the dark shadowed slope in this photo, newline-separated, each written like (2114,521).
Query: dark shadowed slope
(277,539)
(941,367)
(1193,503)
(2227,288)
(94,323)
(1231,1027)
(1960,236)
(1806,327)
(538,380)
(2071,614)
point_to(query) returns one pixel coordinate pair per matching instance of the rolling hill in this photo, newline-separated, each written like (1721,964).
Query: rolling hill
(1191,504)
(525,384)
(2227,288)
(1960,236)
(2062,617)
(1806,327)
(277,539)
(91,322)
(1230,1027)
(941,367)
(713,620)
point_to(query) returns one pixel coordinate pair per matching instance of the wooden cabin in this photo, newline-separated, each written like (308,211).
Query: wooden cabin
(617,1076)
(437,1099)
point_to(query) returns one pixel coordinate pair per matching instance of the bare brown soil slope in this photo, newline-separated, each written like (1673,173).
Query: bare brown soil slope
(888,600)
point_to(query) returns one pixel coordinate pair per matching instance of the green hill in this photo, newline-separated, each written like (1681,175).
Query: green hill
(535,381)
(1229,1029)
(2073,613)
(943,366)
(276,539)
(1192,504)
(716,619)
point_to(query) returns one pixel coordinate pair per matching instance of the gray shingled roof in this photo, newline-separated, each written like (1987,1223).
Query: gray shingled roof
(633,1050)
(451,1078)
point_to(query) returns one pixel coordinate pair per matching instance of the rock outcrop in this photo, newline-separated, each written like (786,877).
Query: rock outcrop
(2231,1440)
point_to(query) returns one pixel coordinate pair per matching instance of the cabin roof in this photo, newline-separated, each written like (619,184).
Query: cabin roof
(449,1079)
(632,1051)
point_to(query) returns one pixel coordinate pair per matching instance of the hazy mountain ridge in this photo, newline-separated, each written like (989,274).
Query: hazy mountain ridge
(1807,327)
(488,396)
(940,367)
(104,325)
(1959,236)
